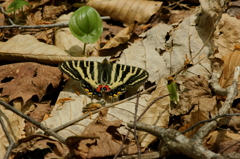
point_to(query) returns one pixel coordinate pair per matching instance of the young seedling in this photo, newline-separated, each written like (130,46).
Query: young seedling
(86,25)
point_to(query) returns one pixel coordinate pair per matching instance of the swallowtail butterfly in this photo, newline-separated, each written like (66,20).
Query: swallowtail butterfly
(96,77)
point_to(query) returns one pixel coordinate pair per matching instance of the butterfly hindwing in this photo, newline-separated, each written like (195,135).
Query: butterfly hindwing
(124,75)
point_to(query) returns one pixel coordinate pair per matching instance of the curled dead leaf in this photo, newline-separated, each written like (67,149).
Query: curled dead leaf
(127,11)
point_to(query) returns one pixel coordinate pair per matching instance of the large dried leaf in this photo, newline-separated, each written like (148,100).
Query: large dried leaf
(227,35)
(14,124)
(216,137)
(41,145)
(109,139)
(231,61)
(27,79)
(123,36)
(27,48)
(196,92)
(127,11)
(157,114)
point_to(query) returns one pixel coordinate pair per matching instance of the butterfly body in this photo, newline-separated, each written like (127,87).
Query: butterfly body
(96,77)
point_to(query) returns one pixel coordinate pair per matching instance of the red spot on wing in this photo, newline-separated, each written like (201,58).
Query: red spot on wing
(101,88)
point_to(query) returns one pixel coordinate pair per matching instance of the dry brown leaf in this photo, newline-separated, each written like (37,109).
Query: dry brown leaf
(28,48)
(14,124)
(231,61)
(232,121)
(52,12)
(27,79)
(123,36)
(227,35)
(196,93)
(109,140)
(213,140)
(126,11)
(227,147)
(157,114)
(47,146)
(38,113)
(195,117)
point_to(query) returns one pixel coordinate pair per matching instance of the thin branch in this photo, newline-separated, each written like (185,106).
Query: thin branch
(39,125)
(208,120)
(135,130)
(9,19)
(42,26)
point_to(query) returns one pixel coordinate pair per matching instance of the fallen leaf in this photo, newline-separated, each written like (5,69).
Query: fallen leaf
(41,145)
(231,61)
(123,36)
(227,147)
(27,79)
(197,93)
(126,11)
(52,12)
(14,124)
(28,48)
(109,140)
(232,121)
(38,114)
(214,138)
(157,114)
(227,35)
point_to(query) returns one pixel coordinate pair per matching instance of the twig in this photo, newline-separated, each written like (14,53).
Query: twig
(135,130)
(96,111)
(208,120)
(41,26)
(39,125)
(9,19)
(9,138)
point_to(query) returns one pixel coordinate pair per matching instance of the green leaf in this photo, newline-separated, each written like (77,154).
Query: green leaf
(172,88)
(15,5)
(86,24)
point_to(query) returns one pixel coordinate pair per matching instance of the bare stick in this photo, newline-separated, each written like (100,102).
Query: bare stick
(39,125)
(9,19)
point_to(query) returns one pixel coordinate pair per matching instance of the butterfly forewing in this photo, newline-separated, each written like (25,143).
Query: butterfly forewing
(86,71)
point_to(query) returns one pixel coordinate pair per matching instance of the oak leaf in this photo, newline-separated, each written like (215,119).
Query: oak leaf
(27,79)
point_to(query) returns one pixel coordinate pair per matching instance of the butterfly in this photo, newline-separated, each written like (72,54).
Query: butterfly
(98,77)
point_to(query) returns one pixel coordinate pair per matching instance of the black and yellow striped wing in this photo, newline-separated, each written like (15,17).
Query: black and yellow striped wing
(84,71)
(96,77)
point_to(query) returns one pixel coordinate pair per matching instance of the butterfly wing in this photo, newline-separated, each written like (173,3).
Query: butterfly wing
(84,71)
(124,75)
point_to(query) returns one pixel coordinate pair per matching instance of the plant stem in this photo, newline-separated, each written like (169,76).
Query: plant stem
(84,48)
